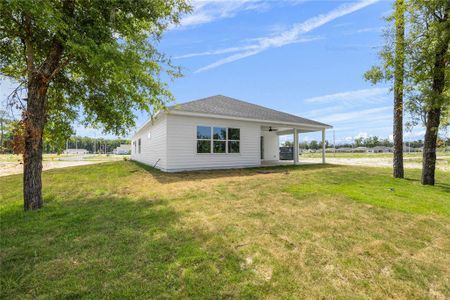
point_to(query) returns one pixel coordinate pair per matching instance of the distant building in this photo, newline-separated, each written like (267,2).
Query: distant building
(360,149)
(123,149)
(344,149)
(380,149)
(75,151)
(411,149)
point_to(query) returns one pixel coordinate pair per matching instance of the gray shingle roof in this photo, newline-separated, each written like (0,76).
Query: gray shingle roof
(226,106)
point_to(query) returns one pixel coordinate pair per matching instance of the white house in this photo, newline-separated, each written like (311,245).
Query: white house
(75,151)
(123,149)
(217,132)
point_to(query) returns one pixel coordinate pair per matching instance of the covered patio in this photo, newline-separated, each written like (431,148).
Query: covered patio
(270,142)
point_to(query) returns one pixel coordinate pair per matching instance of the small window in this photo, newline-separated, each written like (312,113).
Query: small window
(220,147)
(203,139)
(234,137)
(149,135)
(234,134)
(220,133)
(203,146)
(203,132)
(139,146)
(233,147)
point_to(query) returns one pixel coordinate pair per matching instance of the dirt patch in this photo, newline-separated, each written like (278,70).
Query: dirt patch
(10,168)
(373,162)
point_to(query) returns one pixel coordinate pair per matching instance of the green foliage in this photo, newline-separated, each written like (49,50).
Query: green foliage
(109,67)
(425,32)
(6,132)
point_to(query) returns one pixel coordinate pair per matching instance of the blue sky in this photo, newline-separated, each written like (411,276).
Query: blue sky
(302,57)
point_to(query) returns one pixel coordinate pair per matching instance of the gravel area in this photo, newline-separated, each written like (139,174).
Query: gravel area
(10,168)
(373,162)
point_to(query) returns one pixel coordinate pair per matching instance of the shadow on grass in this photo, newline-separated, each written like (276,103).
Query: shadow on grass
(112,247)
(166,177)
(444,186)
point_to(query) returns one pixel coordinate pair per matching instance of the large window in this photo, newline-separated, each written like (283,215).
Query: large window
(218,140)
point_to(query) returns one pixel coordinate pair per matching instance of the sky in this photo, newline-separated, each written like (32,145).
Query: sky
(302,57)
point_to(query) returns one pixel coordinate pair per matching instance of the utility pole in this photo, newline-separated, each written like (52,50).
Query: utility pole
(334,142)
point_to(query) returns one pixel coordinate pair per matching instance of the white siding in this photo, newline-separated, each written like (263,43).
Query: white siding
(271,147)
(182,144)
(153,149)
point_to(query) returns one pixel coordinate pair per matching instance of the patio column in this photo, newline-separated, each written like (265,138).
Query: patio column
(295,146)
(323,146)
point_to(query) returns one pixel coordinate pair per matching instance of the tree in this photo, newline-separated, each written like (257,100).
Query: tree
(393,57)
(3,121)
(426,73)
(430,73)
(314,145)
(82,59)
(399,64)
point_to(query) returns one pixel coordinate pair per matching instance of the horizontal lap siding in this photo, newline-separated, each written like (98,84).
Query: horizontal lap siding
(182,151)
(155,148)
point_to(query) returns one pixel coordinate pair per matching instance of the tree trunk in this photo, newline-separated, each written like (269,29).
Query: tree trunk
(398,171)
(34,121)
(434,112)
(1,134)
(429,147)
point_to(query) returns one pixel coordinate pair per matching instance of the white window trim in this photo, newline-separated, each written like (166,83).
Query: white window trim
(226,140)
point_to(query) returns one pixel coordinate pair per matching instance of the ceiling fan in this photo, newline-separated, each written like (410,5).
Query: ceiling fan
(270,129)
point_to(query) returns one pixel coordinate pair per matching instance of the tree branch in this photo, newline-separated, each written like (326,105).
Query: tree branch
(59,68)
(29,52)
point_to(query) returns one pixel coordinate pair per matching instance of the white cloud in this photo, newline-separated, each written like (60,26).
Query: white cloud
(367,115)
(414,134)
(363,135)
(238,49)
(348,138)
(207,11)
(374,95)
(369,29)
(292,35)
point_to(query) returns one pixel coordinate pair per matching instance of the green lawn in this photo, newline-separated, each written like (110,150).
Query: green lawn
(120,230)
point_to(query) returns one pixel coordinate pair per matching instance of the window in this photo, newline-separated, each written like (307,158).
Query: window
(234,137)
(149,135)
(134,144)
(218,140)
(203,139)
(139,146)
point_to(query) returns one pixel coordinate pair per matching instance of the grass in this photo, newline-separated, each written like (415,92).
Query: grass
(122,230)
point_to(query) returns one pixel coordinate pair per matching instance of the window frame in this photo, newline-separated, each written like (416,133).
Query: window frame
(139,146)
(212,140)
